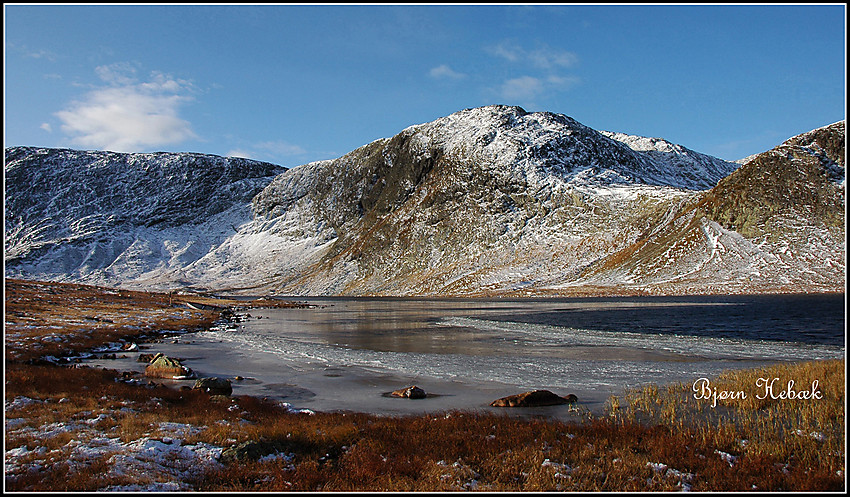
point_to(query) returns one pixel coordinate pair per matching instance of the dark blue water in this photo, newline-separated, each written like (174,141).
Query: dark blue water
(812,319)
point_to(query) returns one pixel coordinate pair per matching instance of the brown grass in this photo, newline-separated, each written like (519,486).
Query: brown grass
(453,451)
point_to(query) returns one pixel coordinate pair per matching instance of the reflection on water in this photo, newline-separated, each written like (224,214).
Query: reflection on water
(778,326)
(593,347)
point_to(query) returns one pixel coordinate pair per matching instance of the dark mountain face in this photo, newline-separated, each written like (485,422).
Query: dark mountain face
(803,177)
(149,189)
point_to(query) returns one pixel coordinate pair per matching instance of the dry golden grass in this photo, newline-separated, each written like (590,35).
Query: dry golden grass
(60,319)
(658,439)
(804,435)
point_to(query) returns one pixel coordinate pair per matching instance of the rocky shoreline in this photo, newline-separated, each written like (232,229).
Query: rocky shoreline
(72,426)
(159,366)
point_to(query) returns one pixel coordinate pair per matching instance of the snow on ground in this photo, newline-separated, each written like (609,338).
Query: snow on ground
(159,461)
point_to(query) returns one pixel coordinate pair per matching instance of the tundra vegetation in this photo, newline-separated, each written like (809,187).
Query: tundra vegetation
(71,427)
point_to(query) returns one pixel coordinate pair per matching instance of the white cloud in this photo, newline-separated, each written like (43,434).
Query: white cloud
(543,57)
(121,73)
(543,63)
(46,127)
(563,83)
(528,88)
(522,88)
(445,72)
(42,54)
(127,115)
(508,51)
(547,58)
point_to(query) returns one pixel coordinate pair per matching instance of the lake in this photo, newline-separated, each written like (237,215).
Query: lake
(346,354)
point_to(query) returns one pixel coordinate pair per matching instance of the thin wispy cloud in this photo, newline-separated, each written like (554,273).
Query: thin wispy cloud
(541,64)
(562,82)
(445,72)
(522,88)
(128,115)
(543,56)
(529,88)
(31,53)
(41,54)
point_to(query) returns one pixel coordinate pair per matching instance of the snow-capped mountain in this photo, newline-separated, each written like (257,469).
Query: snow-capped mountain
(486,201)
(775,224)
(111,218)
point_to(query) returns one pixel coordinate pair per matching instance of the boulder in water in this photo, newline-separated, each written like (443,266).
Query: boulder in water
(412,392)
(534,398)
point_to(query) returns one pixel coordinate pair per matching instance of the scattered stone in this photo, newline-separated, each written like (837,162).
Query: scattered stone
(214,386)
(533,398)
(162,366)
(412,392)
(238,378)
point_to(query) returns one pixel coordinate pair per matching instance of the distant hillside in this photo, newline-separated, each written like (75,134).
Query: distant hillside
(105,217)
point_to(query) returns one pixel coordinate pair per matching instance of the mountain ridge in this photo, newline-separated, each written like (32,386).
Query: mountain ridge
(71,213)
(494,201)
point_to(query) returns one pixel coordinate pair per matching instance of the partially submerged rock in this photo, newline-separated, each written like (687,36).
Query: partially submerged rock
(214,386)
(412,392)
(162,366)
(534,398)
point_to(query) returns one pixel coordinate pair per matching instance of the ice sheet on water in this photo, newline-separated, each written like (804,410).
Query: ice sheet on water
(700,346)
(520,367)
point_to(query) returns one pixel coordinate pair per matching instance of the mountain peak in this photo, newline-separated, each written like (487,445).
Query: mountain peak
(485,201)
(546,147)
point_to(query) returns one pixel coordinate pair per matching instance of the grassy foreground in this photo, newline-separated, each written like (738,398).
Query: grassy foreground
(79,428)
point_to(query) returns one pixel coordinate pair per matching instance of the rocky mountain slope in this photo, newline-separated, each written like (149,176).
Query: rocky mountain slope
(113,218)
(775,224)
(486,201)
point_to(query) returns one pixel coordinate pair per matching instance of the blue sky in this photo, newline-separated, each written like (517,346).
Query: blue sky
(292,84)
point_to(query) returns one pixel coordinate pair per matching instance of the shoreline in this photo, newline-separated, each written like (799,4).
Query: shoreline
(357,389)
(82,428)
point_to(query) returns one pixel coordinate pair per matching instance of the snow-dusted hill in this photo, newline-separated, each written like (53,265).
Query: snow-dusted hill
(486,201)
(775,224)
(112,218)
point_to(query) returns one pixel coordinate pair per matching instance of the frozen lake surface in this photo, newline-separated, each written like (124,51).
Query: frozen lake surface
(346,354)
